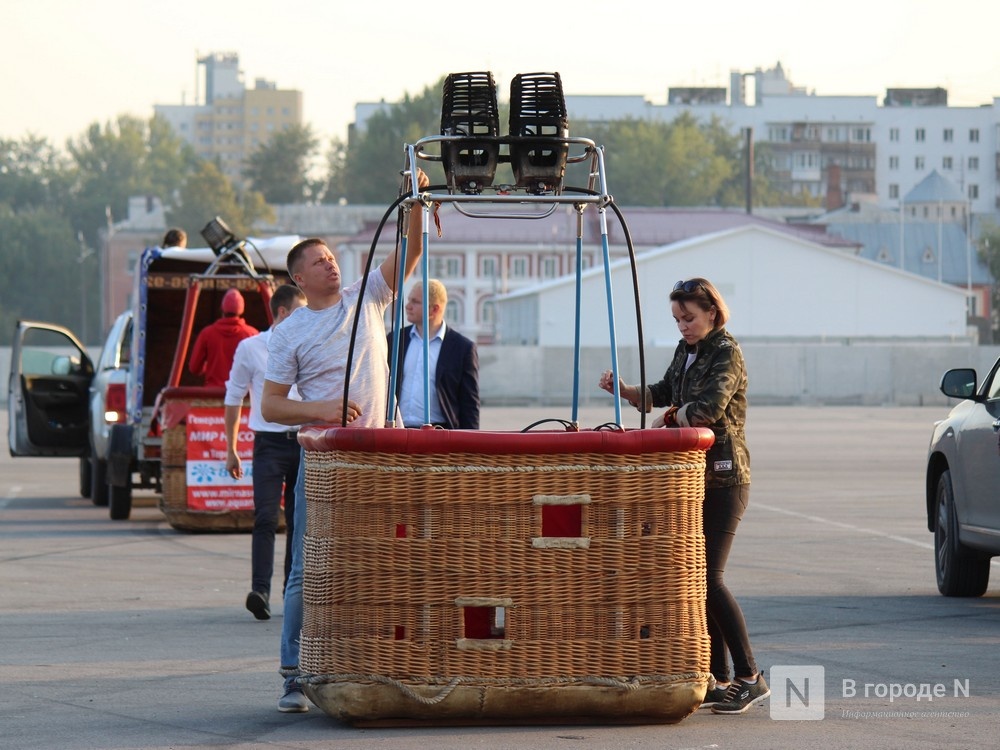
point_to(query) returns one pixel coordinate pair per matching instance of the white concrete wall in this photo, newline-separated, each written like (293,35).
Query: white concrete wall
(833,374)
(779,373)
(775,285)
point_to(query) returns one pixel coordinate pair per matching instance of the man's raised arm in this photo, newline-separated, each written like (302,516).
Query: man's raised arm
(414,241)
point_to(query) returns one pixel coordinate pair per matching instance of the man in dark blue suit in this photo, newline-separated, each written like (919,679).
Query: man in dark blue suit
(453,365)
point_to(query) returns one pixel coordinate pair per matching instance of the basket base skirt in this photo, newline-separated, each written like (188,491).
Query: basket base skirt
(370,704)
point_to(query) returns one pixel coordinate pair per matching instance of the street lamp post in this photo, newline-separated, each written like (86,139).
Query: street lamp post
(85,252)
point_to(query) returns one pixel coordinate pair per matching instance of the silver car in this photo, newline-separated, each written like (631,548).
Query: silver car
(61,404)
(963,483)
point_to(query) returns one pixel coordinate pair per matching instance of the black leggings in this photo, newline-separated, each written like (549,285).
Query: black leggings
(723,509)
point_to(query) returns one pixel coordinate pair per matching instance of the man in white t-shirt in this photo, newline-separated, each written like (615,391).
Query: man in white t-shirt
(310,351)
(276,454)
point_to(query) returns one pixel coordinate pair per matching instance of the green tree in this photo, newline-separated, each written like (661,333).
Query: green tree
(279,168)
(681,163)
(206,194)
(112,163)
(651,163)
(732,194)
(168,163)
(635,159)
(49,273)
(32,174)
(696,171)
(369,171)
(730,145)
(46,274)
(255,209)
(107,170)
(334,189)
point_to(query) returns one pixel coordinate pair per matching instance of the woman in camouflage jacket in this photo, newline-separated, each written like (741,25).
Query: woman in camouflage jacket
(706,386)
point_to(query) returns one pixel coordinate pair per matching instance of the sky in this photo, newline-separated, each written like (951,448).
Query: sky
(65,64)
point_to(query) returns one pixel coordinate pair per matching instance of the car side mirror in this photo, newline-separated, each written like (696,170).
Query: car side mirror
(67,366)
(959,383)
(62,366)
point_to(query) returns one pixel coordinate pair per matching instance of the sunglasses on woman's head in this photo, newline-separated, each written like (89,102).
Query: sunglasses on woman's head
(687,286)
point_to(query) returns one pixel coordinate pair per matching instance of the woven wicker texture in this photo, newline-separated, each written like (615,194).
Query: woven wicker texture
(174,446)
(404,551)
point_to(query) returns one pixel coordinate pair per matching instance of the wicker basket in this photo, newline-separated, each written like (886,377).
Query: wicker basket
(474,577)
(173,471)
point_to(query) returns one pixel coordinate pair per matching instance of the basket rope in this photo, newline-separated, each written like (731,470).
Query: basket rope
(501,469)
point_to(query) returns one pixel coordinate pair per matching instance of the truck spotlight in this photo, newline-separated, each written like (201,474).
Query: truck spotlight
(219,236)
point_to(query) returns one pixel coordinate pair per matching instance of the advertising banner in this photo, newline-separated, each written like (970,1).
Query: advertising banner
(209,486)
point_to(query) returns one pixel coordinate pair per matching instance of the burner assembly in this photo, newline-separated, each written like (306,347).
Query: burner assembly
(471,119)
(537,144)
(539,127)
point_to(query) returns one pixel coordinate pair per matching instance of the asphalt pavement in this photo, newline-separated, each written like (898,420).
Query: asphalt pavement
(117,635)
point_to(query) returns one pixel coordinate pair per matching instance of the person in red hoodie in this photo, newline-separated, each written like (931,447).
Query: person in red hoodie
(212,356)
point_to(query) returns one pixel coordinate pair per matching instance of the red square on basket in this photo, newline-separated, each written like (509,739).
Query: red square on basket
(562,520)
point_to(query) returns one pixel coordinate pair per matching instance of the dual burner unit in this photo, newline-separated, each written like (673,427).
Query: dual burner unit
(536,145)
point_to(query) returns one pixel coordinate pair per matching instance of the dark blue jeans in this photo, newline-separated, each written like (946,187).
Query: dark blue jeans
(727,630)
(275,467)
(291,624)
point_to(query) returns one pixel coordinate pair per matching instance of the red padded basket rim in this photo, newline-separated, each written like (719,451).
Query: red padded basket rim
(193,392)
(374,440)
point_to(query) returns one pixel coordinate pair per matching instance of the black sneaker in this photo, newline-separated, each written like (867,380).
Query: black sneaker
(741,695)
(258,605)
(714,695)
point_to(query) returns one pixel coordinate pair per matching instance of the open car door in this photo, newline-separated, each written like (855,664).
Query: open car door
(50,376)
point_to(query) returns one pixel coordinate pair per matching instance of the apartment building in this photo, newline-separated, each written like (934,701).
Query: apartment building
(885,150)
(232,120)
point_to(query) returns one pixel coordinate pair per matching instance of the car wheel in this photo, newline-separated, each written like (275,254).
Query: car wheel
(99,482)
(120,501)
(85,477)
(960,571)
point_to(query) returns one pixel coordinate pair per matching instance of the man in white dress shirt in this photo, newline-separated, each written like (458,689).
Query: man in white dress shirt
(275,454)
(452,366)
